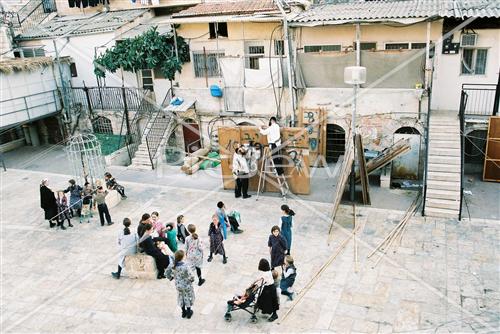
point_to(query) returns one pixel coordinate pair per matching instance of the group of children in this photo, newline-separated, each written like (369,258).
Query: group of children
(160,240)
(83,199)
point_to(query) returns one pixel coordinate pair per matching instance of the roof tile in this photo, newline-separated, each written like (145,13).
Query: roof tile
(228,7)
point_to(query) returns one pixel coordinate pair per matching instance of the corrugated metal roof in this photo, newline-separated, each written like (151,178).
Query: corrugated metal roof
(82,24)
(387,10)
(159,22)
(228,7)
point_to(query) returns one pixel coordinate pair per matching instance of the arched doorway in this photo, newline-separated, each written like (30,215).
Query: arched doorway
(102,125)
(475,145)
(245,124)
(191,134)
(335,142)
(407,166)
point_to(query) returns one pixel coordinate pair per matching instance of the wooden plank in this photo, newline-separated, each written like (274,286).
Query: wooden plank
(313,120)
(296,163)
(228,137)
(345,170)
(362,170)
(491,169)
(387,155)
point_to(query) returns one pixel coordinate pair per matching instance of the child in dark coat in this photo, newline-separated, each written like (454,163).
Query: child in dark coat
(277,247)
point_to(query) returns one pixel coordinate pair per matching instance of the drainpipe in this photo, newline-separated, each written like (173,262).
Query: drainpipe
(427,56)
(289,62)
(353,117)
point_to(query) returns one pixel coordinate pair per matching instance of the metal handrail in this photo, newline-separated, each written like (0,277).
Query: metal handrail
(461,113)
(17,98)
(481,100)
(426,169)
(154,134)
(37,11)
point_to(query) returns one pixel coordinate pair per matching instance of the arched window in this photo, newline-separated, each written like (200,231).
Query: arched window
(102,125)
(335,142)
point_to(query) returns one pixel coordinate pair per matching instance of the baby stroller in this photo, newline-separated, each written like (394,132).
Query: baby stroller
(249,304)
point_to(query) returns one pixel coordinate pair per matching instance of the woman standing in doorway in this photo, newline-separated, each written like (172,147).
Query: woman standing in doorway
(48,202)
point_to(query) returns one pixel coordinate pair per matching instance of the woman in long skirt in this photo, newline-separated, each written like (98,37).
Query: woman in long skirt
(194,252)
(179,271)
(286,225)
(268,301)
(216,239)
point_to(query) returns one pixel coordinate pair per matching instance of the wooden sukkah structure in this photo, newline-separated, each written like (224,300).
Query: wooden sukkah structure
(295,143)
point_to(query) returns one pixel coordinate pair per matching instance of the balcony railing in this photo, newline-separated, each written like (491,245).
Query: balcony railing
(28,108)
(479,100)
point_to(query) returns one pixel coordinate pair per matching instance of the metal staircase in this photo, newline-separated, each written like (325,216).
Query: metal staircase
(444,169)
(32,14)
(158,129)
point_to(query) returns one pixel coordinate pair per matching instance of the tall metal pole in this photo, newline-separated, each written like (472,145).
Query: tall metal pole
(354,109)
(127,121)
(289,62)
(67,116)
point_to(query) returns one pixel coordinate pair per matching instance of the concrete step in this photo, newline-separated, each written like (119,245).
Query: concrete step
(141,160)
(443,194)
(433,136)
(443,185)
(436,143)
(141,154)
(451,131)
(451,152)
(140,167)
(444,176)
(442,213)
(443,204)
(443,168)
(447,160)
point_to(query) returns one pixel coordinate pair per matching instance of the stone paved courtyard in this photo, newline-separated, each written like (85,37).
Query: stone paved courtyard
(444,277)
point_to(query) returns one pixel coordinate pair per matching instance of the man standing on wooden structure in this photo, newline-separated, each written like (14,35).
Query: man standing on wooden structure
(274,140)
(241,173)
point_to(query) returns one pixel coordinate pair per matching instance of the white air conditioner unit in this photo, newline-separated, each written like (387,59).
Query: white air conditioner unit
(468,40)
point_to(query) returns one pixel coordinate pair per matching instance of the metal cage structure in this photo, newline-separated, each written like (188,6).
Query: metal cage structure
(85,156)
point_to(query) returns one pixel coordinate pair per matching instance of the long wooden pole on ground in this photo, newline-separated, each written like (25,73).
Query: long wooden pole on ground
(304,290)
(354,237)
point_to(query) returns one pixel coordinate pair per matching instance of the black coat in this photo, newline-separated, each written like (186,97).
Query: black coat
(48,202)
(268,300)
(149,247)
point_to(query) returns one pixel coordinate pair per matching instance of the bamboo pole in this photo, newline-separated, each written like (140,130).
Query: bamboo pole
(354,238)
(399,230)
(304,290)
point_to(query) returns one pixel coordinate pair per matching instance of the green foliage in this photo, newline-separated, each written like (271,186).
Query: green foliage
(110,143)
(146,51)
